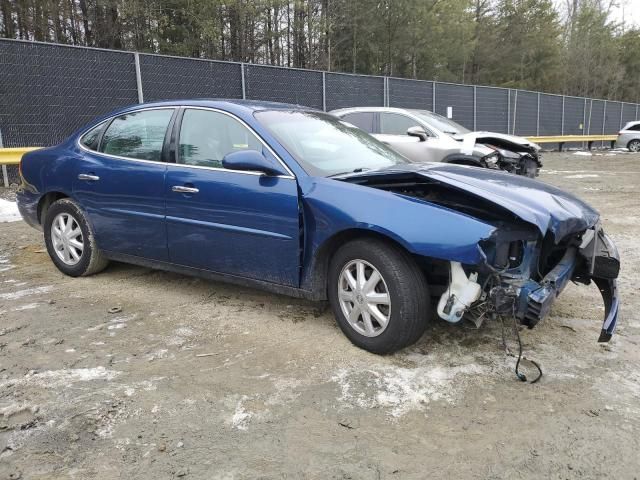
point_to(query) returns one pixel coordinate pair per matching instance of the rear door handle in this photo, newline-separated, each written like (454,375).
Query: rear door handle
(183,189)
(86,176)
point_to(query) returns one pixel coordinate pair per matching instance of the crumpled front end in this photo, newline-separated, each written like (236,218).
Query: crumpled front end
(523,275)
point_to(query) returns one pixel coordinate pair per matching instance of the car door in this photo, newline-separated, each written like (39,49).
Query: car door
(393,131)
(232,222)
(120,183)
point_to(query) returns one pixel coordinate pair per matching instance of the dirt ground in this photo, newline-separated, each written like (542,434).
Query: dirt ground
(195,379)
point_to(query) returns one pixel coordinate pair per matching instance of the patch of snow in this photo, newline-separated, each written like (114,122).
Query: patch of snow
(59,378)
(241,418)
(25,292)
(583,154)
(9,211)
(583,175)
(401,390)
(28,306)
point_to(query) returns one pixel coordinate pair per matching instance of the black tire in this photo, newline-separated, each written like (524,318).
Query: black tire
(529,168)
(407,288)
(634,145)
(92,260)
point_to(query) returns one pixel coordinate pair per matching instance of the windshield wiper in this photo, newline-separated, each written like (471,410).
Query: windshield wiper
(357,170)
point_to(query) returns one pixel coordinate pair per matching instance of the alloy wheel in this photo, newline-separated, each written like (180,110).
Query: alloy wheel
(67,239)
(364,298)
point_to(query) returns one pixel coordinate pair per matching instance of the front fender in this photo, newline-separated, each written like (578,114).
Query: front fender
(331,206)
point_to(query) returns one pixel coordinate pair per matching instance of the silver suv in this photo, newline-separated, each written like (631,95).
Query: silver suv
(423,136)
(629,137)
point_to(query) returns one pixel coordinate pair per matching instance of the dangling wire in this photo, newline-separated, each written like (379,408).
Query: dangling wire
(521,376)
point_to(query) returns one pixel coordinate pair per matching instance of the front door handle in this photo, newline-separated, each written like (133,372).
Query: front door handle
(86,176)
(183,189)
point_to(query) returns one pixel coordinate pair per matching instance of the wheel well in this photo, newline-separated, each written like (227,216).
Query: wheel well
(320,269)
(46,201)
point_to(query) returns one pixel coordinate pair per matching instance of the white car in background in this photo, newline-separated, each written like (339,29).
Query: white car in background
(629,137)
(424,136)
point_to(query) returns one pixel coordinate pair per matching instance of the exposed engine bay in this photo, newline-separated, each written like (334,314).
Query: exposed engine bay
(523,271)
(520,159)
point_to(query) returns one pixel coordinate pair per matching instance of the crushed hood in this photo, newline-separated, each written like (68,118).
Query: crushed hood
(487,137)
(548,208)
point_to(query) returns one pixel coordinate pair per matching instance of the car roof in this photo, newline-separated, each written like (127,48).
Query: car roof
(371,109)
(222,103)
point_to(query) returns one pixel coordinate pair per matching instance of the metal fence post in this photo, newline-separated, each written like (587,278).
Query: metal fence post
(562,125)
(324,91)
(508,109)
(244,87)
(385,95)
(136,59)
(538,116)
(621,111)
(590,112)
(433,97)
(604,121)
(515,112)
(475,107)
(5,174)
(636,111)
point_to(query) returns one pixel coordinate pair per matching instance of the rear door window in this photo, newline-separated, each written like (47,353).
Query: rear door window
(362,120)
(396,124)
(91,138)
(634,128)
(138,135)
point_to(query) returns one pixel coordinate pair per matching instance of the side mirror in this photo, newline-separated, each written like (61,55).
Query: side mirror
(418,132)
(252,161)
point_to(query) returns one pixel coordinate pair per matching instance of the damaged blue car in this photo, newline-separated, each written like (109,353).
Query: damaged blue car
(298,202)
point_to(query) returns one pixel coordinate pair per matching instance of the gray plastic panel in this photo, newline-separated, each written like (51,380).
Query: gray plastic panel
(460,98)
(524,112)
(299,87)
(594,126)
(612,120)
(49,91)
(170,78)
(550,114)
(491,109)
(410,93)
(574,116)
(353,91)
(628,113)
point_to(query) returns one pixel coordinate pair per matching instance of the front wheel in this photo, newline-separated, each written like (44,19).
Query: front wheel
(70,241)
(378,294)
(634,146)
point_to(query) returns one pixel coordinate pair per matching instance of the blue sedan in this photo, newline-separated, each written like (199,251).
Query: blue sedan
(298,202)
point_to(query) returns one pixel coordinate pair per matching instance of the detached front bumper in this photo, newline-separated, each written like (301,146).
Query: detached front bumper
(596,259)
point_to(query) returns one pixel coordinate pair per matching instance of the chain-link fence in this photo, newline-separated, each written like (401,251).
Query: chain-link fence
(47,91)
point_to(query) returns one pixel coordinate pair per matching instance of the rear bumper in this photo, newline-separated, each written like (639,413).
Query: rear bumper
(28,206)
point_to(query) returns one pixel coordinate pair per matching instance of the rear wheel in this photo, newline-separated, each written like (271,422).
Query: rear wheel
(70,241)
(634,146)
(378,295)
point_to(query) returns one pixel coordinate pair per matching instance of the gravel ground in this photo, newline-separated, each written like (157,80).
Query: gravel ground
(195,379)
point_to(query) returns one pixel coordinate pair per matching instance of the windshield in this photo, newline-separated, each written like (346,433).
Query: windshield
(325,145)
(441,123)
